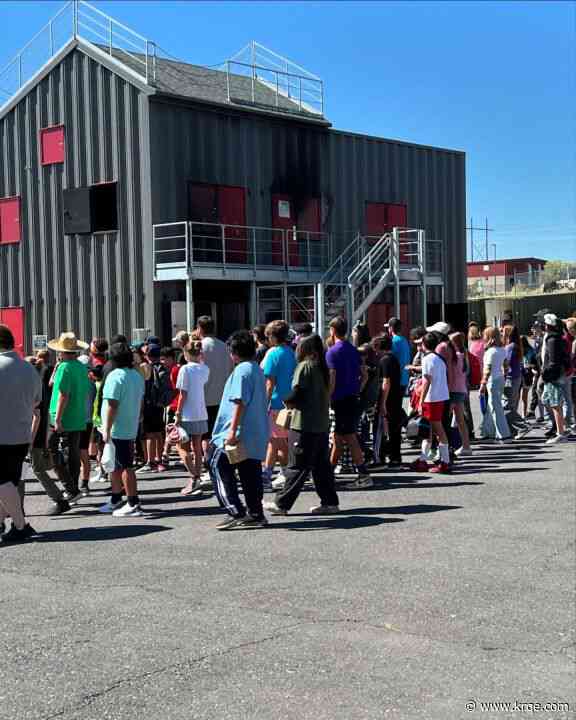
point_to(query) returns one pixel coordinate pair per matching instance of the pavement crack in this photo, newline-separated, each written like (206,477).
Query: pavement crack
(92,697)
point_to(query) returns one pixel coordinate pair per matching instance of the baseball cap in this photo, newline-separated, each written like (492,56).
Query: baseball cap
(153,340)
(550,319)
(154,351)
(439,327)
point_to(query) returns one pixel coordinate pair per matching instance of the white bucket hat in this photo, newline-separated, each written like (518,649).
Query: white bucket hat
(439,327)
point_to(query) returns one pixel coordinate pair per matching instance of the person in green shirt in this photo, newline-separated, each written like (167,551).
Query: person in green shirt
(308,434)
(67,412)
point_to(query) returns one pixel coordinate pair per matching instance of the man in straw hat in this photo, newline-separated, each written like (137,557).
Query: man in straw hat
(68,411)
(21,393)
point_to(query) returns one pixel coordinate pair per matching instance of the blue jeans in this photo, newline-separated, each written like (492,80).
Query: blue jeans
(566,385)
(494,424)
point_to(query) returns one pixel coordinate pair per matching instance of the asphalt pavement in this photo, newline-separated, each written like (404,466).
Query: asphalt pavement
(424,598)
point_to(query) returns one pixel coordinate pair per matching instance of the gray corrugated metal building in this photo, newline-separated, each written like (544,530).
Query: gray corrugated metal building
(263,193)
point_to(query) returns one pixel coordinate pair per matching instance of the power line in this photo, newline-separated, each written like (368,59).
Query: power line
(479,248)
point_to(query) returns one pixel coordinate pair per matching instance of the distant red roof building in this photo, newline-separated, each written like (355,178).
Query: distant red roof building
(502,275)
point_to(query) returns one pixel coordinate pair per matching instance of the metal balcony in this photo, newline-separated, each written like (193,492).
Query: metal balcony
(195,250)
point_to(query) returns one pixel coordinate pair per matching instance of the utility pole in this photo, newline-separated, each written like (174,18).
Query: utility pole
(479,249)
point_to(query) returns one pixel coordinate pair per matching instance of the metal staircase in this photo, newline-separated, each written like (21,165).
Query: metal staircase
(367,266)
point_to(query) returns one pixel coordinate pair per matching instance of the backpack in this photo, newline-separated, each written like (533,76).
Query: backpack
(159,390)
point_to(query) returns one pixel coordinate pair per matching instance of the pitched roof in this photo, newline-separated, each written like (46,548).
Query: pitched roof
(184,80)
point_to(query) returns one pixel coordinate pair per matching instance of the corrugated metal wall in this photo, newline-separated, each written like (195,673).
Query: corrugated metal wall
(269,155)
(92,284)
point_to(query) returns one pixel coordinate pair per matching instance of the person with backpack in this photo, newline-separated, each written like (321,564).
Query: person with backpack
(390,406)
(158,395)
(555,363)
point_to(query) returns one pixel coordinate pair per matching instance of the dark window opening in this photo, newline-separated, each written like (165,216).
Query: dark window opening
(104,207)
(91,209)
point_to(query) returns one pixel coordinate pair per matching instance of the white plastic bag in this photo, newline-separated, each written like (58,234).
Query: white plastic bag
(108,461)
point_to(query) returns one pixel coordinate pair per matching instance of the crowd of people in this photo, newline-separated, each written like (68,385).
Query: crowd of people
(270,409)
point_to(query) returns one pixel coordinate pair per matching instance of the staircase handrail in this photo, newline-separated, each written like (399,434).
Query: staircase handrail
(367,263)
(341,262)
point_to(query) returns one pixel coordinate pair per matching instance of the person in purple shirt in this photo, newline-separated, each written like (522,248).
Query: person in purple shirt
(346,380)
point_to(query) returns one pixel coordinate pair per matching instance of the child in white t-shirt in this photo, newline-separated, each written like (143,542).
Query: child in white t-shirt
(434,396)
(191,413)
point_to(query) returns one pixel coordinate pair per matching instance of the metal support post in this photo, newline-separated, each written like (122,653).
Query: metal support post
(253,304)
(320,314)
(75,18)
(285,302)
(424,269)
(223,239)
(111,41)
(189,305)
(51,32)
(396,251)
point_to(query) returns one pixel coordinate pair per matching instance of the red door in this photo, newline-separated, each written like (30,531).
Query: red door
(283,218)
(376,220)
(14,318)
(232,211)
(381,218)
(379,313)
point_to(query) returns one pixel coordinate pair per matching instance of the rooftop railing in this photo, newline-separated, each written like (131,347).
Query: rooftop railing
(78,18)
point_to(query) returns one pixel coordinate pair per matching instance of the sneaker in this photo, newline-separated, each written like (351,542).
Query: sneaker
(146,469)
(441,468)
(273,509)
(250,522)
(16,536)
(522,433)
(324,510)
(362,482)
(464,452)
(228,523)
(110,507)
(279,482)
(85,489)
(557,439)
(205,481)
(72,498)
(343,470)
(161,468)
(191,489)
(128,510)
(99,476)
(419,465)
(550,433)
(165,461)
(506,441)
(59,508)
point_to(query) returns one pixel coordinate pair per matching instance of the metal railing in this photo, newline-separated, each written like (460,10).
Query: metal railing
(78,18)
(267,78)
(434,257)
(186,244)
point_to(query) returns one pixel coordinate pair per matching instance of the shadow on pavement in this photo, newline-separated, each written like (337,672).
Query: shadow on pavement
(331,522)
(95,534)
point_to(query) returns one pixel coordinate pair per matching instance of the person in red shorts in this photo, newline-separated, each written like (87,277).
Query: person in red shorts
(434,396)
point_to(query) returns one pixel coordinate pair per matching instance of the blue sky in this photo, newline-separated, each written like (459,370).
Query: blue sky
(496,79)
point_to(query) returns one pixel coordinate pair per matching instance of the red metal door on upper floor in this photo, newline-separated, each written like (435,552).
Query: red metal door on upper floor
(381,218)
(13,317)
(232,211)
(283,218)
